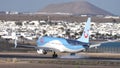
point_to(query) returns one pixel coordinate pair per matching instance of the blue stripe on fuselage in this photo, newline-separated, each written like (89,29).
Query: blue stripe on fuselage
(46,39)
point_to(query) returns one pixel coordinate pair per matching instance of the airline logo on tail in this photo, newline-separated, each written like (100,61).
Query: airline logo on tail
(86,34)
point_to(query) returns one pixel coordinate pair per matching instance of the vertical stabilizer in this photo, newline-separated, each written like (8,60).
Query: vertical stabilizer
(85,35)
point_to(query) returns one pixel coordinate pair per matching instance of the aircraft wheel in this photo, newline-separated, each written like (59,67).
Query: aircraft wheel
(44,52)
(55,55)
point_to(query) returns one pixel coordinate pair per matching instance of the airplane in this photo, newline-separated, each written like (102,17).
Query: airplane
(47,44)
(54,44)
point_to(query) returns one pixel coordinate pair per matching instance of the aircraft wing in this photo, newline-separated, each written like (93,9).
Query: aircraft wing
(35,47)
(27,46)
(98,44)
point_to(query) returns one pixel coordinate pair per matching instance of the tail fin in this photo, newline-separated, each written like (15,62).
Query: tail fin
(85,36)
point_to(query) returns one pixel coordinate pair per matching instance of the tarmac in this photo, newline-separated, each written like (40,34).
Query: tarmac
(35,65)
(34,60)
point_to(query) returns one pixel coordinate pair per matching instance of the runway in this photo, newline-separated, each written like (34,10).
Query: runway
(85,60)
(23,55)
(85,56)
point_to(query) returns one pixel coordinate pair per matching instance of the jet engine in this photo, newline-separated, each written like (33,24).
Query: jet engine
(41,51)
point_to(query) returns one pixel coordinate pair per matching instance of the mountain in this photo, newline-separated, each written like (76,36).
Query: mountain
(75,7)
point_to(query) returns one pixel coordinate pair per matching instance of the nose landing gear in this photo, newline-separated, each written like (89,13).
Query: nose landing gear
(54,55)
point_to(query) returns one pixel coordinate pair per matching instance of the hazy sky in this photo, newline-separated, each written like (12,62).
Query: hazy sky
(35,5)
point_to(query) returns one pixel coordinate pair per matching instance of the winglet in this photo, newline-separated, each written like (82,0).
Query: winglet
(85,35)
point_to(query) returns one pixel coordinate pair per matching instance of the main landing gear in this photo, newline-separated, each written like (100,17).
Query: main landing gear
(54,55)
(72,54)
